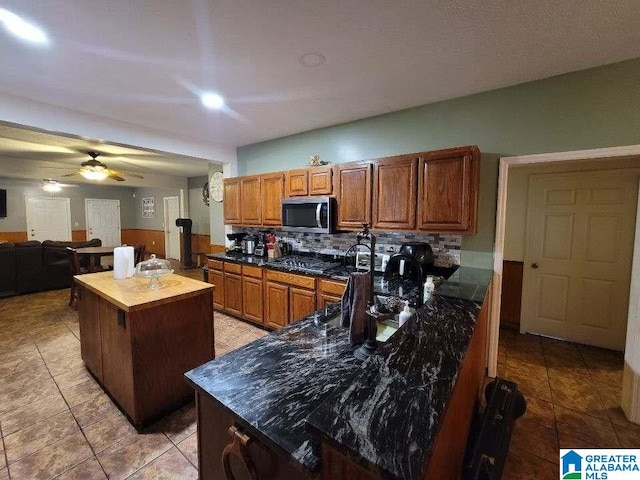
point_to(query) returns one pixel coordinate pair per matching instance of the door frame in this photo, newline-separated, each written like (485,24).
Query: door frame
(525,320)
(67,201)
(86,215)
(166,228)
(597,154)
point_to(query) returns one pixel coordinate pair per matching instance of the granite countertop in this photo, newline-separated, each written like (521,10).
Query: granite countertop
(301,384)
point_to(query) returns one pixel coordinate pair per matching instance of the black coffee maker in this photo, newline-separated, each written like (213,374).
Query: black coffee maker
(414,262)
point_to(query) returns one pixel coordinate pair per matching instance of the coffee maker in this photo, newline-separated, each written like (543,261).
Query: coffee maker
(236,245)
(414,262)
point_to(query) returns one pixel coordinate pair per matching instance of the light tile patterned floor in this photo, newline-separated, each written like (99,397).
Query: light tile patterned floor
(55,421)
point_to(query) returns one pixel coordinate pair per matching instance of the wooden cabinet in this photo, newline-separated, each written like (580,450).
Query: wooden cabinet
(272,189)
(252,294)
(448,186)
(89,324)
(231,201)
(321,180)
(329,291)
(301,303)
(297,183)
(216,278)
(395,185)
(276,304)
(352,186)
(233,293)
(250,200)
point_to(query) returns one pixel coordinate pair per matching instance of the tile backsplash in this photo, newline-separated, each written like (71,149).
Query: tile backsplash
(445,247)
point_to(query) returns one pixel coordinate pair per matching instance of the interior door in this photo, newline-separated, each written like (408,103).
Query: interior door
(49,218)
(171,232)
(580,234)
(103,221)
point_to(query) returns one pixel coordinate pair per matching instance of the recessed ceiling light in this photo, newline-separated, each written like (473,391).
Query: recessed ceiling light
(312,59)
(212,100)
(22,29)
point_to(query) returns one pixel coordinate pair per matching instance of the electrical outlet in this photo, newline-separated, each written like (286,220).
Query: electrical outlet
(77,224)
(153,242)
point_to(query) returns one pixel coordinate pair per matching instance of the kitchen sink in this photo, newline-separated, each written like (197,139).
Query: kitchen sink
(386,328)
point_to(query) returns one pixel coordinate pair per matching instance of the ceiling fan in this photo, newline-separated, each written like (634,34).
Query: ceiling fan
(94,169)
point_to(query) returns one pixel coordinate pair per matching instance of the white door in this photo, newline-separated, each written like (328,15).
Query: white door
(171,232)
(49,218)
(580,230)
(103,221)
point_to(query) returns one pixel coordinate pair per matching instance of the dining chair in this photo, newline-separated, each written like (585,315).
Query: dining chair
(138,253)
(74,269)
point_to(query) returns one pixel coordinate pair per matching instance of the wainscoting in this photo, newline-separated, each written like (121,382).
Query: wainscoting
(153,240)
(511,305)
(14,237)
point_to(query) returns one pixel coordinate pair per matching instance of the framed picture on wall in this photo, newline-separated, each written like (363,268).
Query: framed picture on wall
(148,207)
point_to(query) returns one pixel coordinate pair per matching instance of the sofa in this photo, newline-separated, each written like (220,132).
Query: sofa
(27,267)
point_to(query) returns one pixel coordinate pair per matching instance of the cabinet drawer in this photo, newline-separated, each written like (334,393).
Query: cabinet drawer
(216,264)
(331,287)
(232,267)
(255,272)
(292,279)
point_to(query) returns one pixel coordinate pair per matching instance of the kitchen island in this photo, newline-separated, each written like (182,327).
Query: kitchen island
(138,342)
(296,404)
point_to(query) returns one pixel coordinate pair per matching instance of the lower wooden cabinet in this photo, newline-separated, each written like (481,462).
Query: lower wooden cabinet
(252,299)
(216,278)
(233,293)
(301,303)
(325,299)
(329,291)
(276,305)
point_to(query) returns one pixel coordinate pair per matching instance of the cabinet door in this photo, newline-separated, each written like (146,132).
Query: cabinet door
(320,180)
(276,305)
(252,299)
(89,323)
(301,303)
(250,200)
(231,201)
(272,194)
(216,278)
(352,185)
(233,293)
(448,190)
(297,183)
(325,299)
(395,186)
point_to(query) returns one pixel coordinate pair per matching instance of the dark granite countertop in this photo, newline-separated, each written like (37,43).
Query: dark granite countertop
(302,382)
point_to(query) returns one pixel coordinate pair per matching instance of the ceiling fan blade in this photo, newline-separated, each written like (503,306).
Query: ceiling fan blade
(135,175)
(69,174)
(114,176)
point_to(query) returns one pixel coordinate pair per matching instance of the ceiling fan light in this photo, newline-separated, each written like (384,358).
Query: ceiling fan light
(51,187)
(91,174)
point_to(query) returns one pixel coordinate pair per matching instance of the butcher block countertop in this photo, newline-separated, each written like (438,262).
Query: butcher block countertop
(132,294)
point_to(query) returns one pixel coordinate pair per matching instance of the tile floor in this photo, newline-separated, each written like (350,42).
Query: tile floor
(55,421)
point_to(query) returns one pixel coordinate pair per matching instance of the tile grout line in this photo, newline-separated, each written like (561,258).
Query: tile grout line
(74,419)
(4,452)
(553,404)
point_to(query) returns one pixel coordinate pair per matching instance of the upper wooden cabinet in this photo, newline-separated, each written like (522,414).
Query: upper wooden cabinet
(309,181)
(272,194)
(231,200)
(297,183)
(250,200)
(395,185)
(448,186)
(352,186)
(321,180)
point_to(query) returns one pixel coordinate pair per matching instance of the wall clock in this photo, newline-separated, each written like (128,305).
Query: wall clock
(216,186)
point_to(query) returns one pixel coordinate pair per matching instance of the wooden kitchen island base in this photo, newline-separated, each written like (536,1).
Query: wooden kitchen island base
(138,343)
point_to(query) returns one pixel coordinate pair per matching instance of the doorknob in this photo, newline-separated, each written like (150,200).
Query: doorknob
(534,265)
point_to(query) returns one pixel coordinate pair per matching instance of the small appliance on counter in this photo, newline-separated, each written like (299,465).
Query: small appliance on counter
(414,261)
(236,242)
(261,245)
(249,244)
(363,260)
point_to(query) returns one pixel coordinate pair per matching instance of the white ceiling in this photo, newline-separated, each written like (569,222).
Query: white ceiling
(34,154)
(143,61)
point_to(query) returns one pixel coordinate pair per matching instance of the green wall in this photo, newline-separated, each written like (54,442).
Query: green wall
(599,107)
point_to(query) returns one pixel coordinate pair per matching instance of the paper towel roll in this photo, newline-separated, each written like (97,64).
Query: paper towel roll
(131,263)
(120,263)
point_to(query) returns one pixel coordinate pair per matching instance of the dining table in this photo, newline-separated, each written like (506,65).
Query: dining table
(95,254)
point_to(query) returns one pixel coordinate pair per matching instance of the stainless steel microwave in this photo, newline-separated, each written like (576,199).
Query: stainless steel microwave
(309,214)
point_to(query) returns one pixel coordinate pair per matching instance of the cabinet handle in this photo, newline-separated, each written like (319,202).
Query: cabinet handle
(237,447)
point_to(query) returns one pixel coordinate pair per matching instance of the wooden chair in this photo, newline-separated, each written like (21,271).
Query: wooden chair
(138,253)
(74,269)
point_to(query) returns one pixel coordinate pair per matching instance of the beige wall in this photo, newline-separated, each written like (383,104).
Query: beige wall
(518,191)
